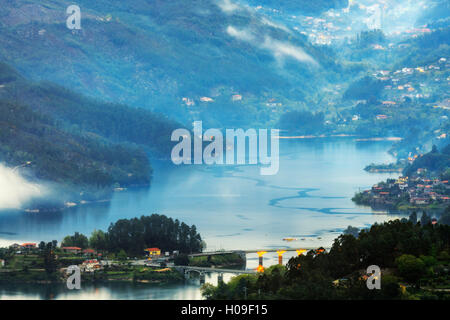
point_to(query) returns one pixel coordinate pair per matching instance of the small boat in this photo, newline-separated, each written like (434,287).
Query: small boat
(289,239)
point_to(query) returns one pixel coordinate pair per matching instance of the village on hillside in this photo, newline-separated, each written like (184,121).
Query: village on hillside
(407,193)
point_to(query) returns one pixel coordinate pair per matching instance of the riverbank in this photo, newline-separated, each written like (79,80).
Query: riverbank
(138,274)
(363,199)
(391,167)
(82,198)
(406,193)
(227,261)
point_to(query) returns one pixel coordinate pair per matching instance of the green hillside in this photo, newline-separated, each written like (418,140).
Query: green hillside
(151,54)
(80,143)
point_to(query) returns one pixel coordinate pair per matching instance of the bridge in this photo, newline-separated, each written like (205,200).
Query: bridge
(211,253)
(243,254)
(186,270)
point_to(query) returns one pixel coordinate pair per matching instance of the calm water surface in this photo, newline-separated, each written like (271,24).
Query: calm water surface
(233,208)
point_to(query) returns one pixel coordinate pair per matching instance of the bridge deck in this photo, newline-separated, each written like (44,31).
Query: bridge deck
(211,253)
(205,269)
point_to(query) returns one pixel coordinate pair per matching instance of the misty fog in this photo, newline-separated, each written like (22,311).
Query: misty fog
(15,190)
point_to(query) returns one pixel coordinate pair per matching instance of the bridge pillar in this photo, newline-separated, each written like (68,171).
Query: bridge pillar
(219,278)
(260,264)
(202,277)
(280,256)
(243,255)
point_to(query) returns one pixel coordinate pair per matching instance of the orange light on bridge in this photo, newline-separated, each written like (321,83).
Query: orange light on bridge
(300,251)
(319,251)
(280,256)
(260,268)
(261,253)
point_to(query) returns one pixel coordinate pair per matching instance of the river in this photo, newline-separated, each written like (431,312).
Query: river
(233,207)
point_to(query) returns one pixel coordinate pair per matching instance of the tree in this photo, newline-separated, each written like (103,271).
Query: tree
(413,217)
(425,219)
(122,255)
(445,217)
(77,240)
(181,260)
(49,259)
(390,288)
(41,246)
(410,268)
(352,231)
(98,240)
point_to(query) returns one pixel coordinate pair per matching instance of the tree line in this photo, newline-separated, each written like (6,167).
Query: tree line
(408,252)
(134,235)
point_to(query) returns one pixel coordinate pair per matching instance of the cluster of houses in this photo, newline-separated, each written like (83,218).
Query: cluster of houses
(339,24)
(190,102)
(419,191)
(93,260)
(31,246)
(408,83)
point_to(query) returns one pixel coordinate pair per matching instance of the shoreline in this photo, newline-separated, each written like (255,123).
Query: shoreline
(79,203)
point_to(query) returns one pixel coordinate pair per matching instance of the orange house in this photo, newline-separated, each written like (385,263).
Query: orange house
(29,245)
(153,251)
(71,249)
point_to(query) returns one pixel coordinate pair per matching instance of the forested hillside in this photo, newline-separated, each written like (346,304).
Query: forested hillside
(413,257)
(118,123)
(152,54)
(436,162)
(76,141)
(56,155)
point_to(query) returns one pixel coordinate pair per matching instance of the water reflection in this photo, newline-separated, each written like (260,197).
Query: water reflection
(232,207)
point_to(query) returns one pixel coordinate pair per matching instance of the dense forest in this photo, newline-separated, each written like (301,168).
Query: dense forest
(76,113)
(365,88)
(412,255)
(59,156)
(76,141)
(134,235)
(435,162)
(303,122)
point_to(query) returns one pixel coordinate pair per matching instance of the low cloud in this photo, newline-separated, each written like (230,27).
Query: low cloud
(280,49)
(244,35)
(275,25)
(227,6)
(15,190)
